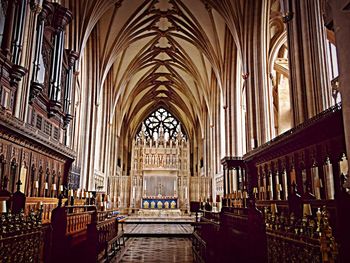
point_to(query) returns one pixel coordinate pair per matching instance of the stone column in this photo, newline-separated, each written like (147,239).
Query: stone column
(224,180)
(309,83)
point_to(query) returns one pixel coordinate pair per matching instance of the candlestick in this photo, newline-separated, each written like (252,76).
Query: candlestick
(3,207)
(61,188)
(46,186)
(307,210)
(245,194)
(273,208)
(53,187)
(255,192)
(278,191)
(318,214)
(36,184)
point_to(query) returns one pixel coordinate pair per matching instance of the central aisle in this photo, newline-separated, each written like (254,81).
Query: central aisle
(157,250)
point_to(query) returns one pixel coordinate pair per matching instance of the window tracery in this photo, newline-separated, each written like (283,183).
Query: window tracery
(161,123)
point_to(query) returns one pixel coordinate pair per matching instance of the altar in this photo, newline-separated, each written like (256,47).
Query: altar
(160,174)
(159,203)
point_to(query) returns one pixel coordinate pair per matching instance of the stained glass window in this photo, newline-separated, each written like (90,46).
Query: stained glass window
(158,119)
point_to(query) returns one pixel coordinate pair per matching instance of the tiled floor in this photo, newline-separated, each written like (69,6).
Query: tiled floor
(157,250)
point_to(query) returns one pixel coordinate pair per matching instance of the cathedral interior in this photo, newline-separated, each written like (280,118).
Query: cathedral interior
(174,131)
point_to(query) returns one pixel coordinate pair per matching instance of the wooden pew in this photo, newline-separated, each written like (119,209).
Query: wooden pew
(105,236)
(233,235)
(69,232)
(243,232)
(206,238)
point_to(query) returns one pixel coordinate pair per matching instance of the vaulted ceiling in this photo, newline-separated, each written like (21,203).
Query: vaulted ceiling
(159,52)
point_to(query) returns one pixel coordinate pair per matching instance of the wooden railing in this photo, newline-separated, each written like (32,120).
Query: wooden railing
(234,234)
(244,233)
(23,247)
(298,172)
(282,248)
(48,204)
(306,239)
(69,231)
(21,235)
(78,222)
(206,239)
(105,236)
(81,233)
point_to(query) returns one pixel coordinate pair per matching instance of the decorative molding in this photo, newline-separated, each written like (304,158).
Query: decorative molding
(17,73)
(298,136)
(35,91)
(17,131)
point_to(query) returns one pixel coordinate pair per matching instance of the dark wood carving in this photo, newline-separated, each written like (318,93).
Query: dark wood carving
(231,235)
(303,164)
(59,238)
(104,238)
(21,235)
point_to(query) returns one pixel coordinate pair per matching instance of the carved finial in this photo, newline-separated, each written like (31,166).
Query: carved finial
(19,183)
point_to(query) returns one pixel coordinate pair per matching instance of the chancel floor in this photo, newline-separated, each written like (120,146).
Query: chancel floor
(157,250)
(157,229)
